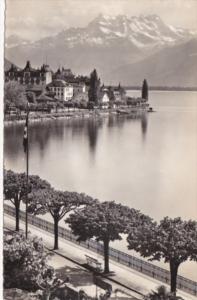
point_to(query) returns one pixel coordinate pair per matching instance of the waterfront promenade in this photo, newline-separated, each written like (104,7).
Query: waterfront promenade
(73,113)
(122,276)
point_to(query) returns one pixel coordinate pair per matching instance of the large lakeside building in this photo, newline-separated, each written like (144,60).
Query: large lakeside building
(29,76)
(63,85)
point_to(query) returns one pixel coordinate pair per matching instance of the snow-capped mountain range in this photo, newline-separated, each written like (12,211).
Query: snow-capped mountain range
(142,31)
(106,42)
(14,40)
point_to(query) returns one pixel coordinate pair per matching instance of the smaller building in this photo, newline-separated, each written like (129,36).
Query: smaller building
(45,103)
(61,89)
(104,98)
(78,87)
(36,90)
(63,74)
(115,93)
(119,93)
(43,98)
(67,73)
(137,101)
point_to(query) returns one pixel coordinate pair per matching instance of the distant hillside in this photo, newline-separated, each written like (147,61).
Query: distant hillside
(7,64)
(173,66)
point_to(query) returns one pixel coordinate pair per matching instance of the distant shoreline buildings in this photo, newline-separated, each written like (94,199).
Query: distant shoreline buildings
(62,86)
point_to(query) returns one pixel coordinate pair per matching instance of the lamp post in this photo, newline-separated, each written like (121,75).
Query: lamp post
(26,150)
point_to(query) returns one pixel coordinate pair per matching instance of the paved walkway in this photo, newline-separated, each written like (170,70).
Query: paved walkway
(122,275)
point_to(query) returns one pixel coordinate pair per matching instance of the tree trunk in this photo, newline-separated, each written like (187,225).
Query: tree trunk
(106,255)
(17,210)
(56,221)
(46,295)
(173,276)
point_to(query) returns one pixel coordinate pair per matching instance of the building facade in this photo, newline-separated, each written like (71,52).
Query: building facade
(78,87)
(29,76)
(61,90)
(63,74)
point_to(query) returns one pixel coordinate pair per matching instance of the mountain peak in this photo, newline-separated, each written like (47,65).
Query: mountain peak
(102,18)
(106,42)
(142,31)
(152,17)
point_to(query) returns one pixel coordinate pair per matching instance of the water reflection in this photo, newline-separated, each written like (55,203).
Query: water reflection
(87,128)
(13,136)
(120,120)
(92,131)
(41,134)
(52,131)
(111,121)
(144,125)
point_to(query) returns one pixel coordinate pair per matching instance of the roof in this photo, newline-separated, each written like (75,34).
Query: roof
(103,93)
(34,88)
(28,67)
(68,79)
(45,68)
(44,97)
(32,71)
(57,83)
(13,68)
(77,84)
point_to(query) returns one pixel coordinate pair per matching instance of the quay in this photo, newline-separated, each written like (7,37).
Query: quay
(134,277)
(72,113)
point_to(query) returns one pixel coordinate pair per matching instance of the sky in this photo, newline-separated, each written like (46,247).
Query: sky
(34,19)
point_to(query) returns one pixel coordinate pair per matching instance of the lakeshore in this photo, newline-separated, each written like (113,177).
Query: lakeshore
(73,113)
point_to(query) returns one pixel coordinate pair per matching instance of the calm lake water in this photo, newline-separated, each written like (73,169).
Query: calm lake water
(148,163)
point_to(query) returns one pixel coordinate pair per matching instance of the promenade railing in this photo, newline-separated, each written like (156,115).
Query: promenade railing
(130,261)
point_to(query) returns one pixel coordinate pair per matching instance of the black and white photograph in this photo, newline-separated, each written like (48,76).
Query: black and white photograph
(99,149)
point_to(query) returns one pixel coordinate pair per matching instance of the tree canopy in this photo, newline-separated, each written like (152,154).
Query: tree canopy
(15,184)
(15,188)
(161,293)
(25,261)
(174,240)
(14,93)
(104,221)
(57,203)
(145,90)
(94,88)
(31,97)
